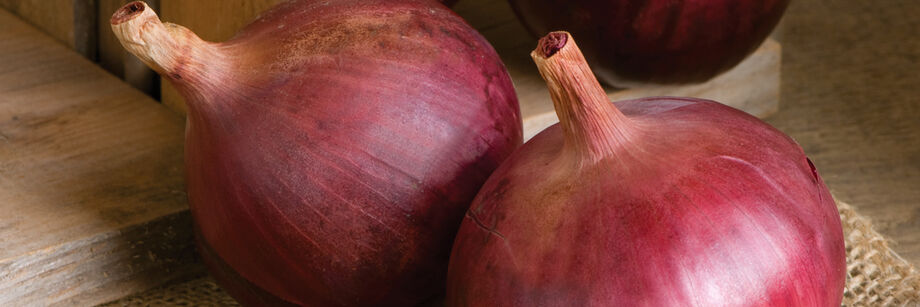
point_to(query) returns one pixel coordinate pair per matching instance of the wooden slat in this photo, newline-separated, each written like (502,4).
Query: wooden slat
(111,53)
(91,179)
(71,22)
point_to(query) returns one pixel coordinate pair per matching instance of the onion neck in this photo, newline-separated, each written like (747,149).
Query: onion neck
(593,127)
(173,51)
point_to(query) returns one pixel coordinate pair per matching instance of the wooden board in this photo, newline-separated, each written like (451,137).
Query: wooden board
(71,22)
(91,179)
(753,86)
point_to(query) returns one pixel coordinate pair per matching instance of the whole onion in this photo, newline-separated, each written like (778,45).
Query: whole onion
(629,42)
(333,146)
(658,201)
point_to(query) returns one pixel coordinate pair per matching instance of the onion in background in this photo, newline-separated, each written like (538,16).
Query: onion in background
(631,42)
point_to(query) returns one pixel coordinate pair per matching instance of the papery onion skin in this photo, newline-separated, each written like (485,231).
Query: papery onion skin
(635,42)
(333,146)
(687,202)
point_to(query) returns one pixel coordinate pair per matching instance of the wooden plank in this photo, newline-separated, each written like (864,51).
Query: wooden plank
(212,20)
(752,86)
(91,184)
(111,53)
(114,58)
(71,22)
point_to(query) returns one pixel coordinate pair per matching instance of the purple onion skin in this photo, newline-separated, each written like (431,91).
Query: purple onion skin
(333,146)
(350,188)
(657,41)
(242,290)
(706,206)
(658,201)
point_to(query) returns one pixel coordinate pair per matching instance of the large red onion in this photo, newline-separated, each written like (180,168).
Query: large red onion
(333,146)
(652,202)
(657,41)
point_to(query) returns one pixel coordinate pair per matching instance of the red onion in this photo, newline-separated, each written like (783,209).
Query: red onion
(657,41)
(658,201)
(333,146)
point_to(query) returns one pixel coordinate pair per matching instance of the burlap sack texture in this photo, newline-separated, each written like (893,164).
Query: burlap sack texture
(876,275)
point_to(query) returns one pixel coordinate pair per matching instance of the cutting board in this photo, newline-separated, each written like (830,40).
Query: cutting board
(92,202)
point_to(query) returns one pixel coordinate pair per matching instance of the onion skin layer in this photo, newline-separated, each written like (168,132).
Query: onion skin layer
(659,201)
(333,146)
(633,42)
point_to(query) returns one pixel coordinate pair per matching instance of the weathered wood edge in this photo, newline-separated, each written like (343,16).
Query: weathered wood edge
(74,26)
(104,267)
(98,266)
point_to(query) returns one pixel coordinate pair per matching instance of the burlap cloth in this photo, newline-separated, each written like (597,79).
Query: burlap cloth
(876,275)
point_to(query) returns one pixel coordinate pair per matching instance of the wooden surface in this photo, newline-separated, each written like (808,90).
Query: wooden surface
(91,184)
(111,53)
(851,98)
(71,22)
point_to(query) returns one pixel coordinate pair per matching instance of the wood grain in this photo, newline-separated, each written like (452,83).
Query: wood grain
(91,181)
(111,53)
(71,22)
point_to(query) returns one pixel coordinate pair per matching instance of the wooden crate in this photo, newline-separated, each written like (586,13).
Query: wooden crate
(70,22)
